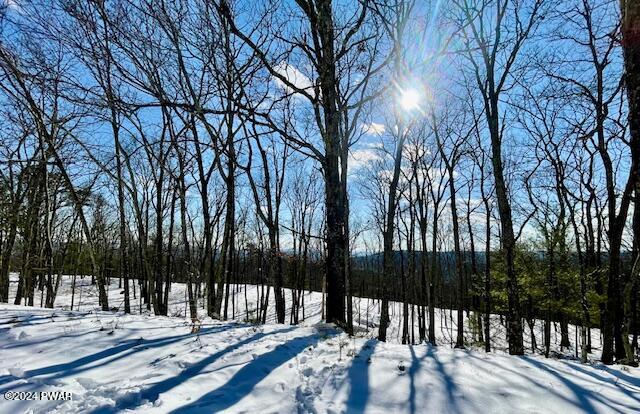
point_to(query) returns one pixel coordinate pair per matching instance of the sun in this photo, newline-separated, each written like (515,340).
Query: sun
(409,99)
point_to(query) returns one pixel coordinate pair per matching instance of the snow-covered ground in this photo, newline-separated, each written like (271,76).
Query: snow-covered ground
(111,362)
(243,302)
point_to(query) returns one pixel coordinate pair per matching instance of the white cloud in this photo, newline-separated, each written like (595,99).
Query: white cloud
(294,77)
(414,151)
(361,157)
(373,129)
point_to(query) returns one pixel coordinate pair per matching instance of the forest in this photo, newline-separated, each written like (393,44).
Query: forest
(466,166)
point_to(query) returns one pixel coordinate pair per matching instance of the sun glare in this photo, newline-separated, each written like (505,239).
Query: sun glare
(409,99)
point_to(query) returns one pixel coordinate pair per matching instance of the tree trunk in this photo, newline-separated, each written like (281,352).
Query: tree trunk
(514,320)
(630,16)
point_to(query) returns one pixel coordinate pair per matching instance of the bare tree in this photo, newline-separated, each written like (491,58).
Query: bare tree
(327,44)
(494,33)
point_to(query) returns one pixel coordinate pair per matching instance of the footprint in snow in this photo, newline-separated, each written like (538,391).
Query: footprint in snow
(16,372)
(86,383)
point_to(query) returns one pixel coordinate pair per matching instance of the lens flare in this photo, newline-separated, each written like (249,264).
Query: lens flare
(409,99)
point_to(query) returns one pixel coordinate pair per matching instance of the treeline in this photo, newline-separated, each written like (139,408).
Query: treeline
(343,147)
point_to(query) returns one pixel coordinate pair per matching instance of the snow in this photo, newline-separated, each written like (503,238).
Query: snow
(112,362)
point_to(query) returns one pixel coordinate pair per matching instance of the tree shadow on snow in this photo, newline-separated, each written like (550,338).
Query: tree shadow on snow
(614,380)
(246,378)
(583,395)
(453,392)
(358,375)
(635,381)
(497,369)
(413,370)
(109,355)
(152,393)
(29,343)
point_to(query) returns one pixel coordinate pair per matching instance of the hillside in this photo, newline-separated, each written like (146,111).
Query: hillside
(112,362)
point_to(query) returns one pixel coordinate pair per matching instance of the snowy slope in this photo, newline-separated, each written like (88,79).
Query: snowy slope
(244,299)
(113,362)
